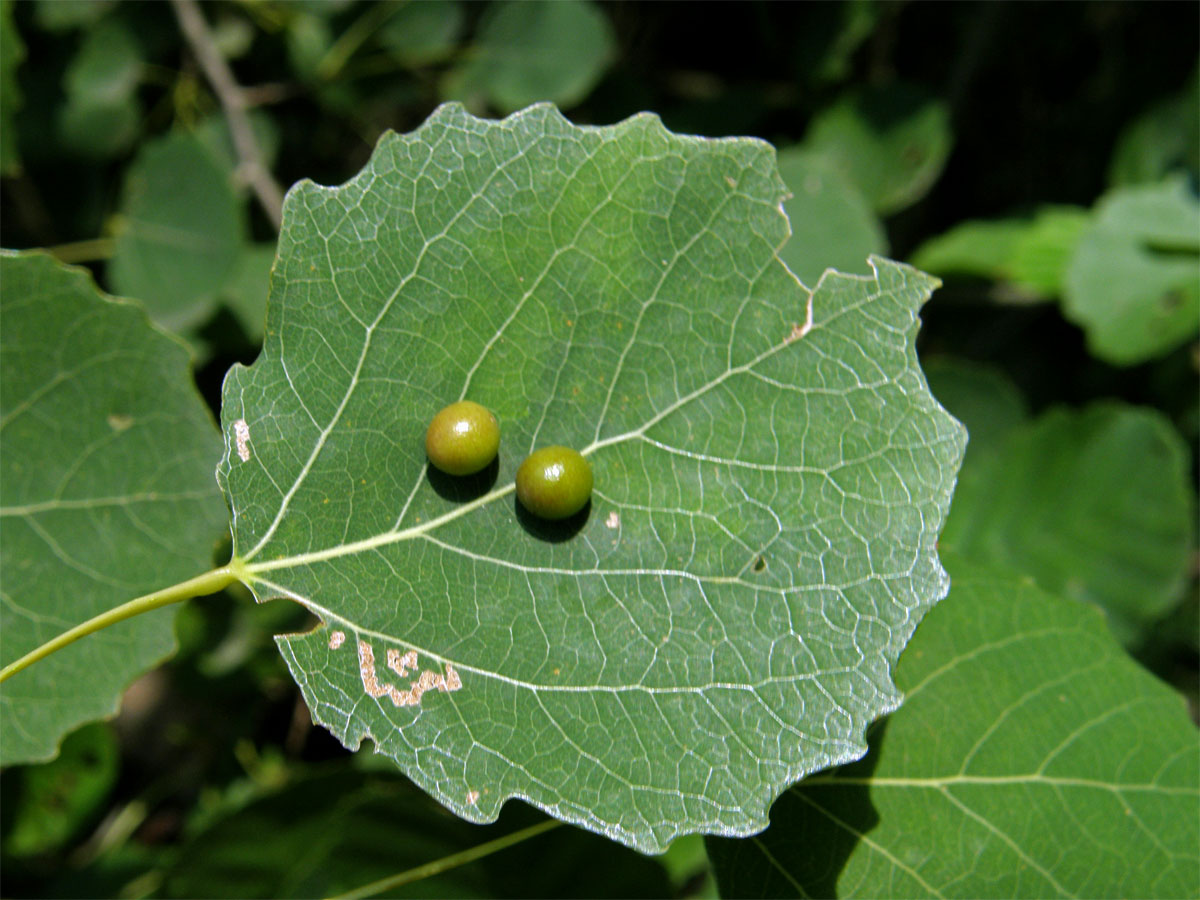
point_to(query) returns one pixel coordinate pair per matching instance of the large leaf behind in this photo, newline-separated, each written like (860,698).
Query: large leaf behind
(106,493)
(1095,504)
(1032,758)
(771,472)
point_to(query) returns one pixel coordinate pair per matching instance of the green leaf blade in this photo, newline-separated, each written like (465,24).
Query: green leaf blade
(891,141)
(833,227)
(182,231)
(1032,758)
(1132,282)
(107,494)
(531,52)
(724,616)
(1095,504)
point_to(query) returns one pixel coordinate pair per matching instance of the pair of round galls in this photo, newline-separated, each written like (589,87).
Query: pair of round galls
(552,483)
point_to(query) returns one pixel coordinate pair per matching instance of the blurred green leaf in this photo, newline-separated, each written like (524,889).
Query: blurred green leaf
(833,33)
(100,129)
(12,54)
(246,291)
(232,33)
(1031,758)
(309,37)
(978,247)
(530,52)
(102,115)
(107,494)
(127,871)
(324,8)
(892,142)
(249,639)
(980,396)
(1043,250)
(1164,139)
(833,227)
(1031,254)
(63,15)
(686,862)
(214,134)
(358,827)
(423,32)
(181,231)
(1134,282)
(760,542)
(1095,505)
(48,804)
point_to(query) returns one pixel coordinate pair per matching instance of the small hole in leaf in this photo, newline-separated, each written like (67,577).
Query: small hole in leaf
(760,565)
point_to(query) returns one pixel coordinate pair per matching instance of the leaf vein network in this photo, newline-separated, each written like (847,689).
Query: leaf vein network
(367,338)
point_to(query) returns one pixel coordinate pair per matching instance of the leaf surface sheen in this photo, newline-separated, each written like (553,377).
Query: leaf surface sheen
(771,473)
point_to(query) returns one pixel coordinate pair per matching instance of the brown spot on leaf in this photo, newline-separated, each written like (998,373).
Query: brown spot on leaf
(241,437)
(427,680)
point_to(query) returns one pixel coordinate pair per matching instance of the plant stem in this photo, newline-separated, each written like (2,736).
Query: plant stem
(233,102)
(352,38)
(83,251)
(208,583)
(453,861)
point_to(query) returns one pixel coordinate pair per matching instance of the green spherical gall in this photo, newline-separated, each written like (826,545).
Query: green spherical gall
(554,482)
(463,438)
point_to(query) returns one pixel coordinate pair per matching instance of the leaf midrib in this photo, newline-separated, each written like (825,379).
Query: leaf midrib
(558,251)
(392,537)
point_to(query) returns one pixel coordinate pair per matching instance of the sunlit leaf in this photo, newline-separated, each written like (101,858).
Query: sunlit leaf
(771,473)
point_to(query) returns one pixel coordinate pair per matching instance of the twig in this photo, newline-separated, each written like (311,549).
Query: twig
(446,863)
(233,101)
(83,251)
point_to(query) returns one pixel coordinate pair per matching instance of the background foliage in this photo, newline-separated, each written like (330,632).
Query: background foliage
(1052,189)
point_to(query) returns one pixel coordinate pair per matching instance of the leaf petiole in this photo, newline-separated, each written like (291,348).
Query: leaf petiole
(208,583)
(446,863)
